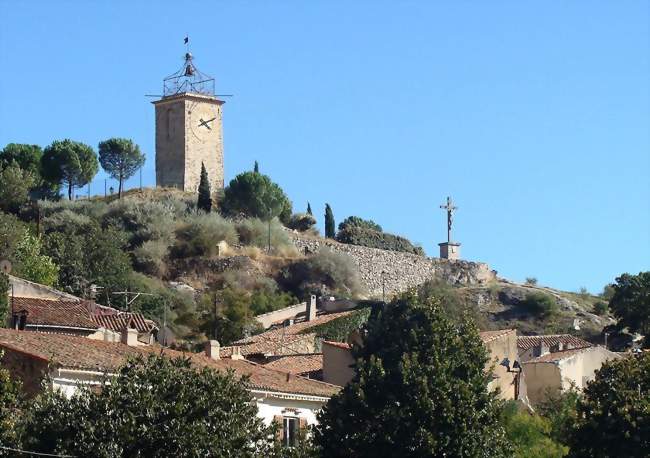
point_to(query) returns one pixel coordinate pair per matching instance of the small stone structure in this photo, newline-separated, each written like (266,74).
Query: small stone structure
(397,271)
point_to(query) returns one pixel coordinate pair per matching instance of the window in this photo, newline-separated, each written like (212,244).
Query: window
(290,430)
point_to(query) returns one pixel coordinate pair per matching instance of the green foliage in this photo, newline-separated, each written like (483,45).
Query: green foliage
(142,220)
(309,212)
(67,221)
(420,390)
(150,257)
(200,234)
(256,167)
(204,201)
(120,158)
(15,184)
(608,292)
(540,304)
(10,403)
(226,314)
(362,236)
(255,232)
(265,301)
(255,195)
(33,265)
(600,308)
(326,272)
(71,163)
(631,303)
(531,281)
(614,413)
(355,221)
(339,329)
(330,232)
(28,159)
(301,222)
(560,409)
(530,434)
(4,299)
(452,301)
(154,407)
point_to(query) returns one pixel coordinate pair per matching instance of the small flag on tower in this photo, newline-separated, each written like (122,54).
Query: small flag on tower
(187,40)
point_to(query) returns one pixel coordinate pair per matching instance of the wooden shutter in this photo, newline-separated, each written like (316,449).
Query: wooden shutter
(279,419)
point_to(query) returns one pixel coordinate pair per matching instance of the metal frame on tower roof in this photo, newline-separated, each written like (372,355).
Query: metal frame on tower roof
(188,80)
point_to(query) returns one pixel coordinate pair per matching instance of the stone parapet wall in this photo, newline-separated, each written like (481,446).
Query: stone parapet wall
(403,270)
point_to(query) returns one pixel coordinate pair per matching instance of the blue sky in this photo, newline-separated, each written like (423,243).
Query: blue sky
(533,116)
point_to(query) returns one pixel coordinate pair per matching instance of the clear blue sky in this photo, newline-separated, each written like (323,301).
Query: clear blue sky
(533,116)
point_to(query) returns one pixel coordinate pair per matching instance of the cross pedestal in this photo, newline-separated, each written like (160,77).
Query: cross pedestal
(449,250)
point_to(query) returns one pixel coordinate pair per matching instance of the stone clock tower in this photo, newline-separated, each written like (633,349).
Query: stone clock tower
(188,130)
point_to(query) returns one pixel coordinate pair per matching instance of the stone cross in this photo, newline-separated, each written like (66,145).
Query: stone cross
(450,216)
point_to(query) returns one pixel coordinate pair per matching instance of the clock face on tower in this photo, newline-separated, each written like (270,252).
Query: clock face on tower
(203,120)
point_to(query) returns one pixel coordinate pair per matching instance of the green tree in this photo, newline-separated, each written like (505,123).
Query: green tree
(330,231)
(355,221)
(31,264)
(256,167)
(205,199)
(420,390)
(540,304)
(614,413)
(10,402)
(309,212)
(254,194)
(530,434)
(154,407)
(15,184)
(4,299)
(28,158)
(631,303)
(120,158)
(560,409)
(72,163)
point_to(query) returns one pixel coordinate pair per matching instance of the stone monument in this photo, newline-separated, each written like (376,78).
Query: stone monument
(188,130)
(449,249)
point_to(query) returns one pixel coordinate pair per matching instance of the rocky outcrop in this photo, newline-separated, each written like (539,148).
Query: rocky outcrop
(396,271)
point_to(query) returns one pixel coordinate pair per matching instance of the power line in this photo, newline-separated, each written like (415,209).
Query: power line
(34,453)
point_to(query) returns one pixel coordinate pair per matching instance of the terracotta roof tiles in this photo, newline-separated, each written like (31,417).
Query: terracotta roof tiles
(54,312)
(489,336)
(297,364)
(528,342)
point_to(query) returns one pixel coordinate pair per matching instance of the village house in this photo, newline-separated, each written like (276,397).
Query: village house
(72,362)
(529,347)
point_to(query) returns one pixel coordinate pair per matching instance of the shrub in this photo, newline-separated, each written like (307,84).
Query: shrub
(33,265)
(143,220)
(532,281)
(200,234)
(255,195)
(94,209)
(355,235)
(67,220)
(301,222)
(529,433)
(339,330)
(256,232)
(15,184)
(149,257)
(600,308)
(267,301)
(540,304)
(355,221)
(326,272)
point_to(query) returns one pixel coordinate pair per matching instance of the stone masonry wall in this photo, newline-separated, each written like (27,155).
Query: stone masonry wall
(402,270)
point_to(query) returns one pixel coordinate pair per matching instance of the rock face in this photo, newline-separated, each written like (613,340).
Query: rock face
(401,270)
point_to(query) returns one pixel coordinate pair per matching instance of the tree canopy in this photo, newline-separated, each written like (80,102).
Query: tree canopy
(420,390)
(614,413)
(631,303)
(15,184)
(254,194)
(355,221)
(205,199)
(154,407)
(120,158)
(330,225)
(71,163)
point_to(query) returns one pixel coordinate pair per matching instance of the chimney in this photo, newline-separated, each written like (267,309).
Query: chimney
(130,337)
(543,348)
(311,308)
(212,349)
(236,353)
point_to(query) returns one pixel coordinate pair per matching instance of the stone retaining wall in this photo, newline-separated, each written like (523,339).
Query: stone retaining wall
(402,270)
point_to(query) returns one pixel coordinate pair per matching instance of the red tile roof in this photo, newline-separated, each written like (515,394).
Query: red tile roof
(557,356)
(283,339)
(297,364)
(54,312)
(489,336)
(343,345)
(121,320)
(528,342)
(83,353)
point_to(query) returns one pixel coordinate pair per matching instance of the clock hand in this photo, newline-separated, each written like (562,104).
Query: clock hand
(205,123)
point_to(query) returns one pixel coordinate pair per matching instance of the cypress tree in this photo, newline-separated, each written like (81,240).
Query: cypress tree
(329,222)
(205,201)
(256,167)
(309,209)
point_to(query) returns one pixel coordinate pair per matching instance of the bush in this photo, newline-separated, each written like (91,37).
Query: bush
(142,220)
(540,304)
(67,220)
(600,308)
(255,232)
(327,272)
(531,281)
(355,221)
(94,209)
(15,184)
(530,434)
(339,330)
(453,302)
(355,235)
(301,222)
(200,234)
(33,265)
(149,257)
(255,195)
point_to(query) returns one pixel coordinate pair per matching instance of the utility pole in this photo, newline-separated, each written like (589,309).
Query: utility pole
(105,180)
(140,178)
(134,294)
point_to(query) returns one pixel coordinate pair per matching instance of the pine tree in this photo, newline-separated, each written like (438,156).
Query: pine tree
(309,209)
(205,201)
(329,222)
(256,167)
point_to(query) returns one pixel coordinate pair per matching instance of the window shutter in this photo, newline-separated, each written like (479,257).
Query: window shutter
(279,419)
(303,424)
